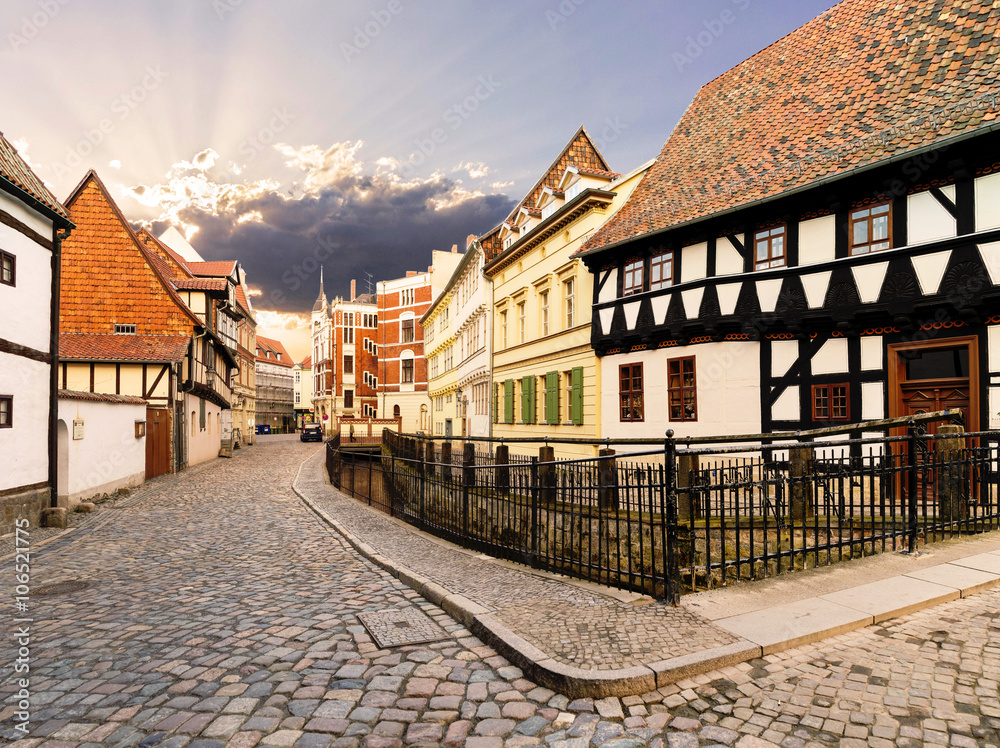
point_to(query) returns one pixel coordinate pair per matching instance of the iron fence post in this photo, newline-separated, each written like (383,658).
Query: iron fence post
(911,488)
(671,584)
(534,510)
(423,483)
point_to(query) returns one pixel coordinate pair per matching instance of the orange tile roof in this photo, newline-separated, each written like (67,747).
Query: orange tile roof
(241,299)
(274,346)
(105,347)
(176,263)
(307,362)
(219,267)
(201,284)
(854,86)
(16,172)
(108,275)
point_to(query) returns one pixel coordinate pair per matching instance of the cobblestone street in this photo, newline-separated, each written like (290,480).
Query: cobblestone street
(218,610)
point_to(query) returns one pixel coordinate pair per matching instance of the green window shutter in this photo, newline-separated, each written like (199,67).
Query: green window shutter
(527,399)
(496,402)
(552,397)
(576,396)
(508,401)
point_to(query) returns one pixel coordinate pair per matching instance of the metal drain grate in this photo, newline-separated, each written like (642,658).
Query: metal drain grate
(61,588)
(395,628)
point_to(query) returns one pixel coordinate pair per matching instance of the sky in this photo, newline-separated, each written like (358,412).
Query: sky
(357,136)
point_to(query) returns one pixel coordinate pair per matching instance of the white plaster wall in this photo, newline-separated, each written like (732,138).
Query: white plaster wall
(694,262)
(988,202)
(609,291)
(24,448)
(993,344)
(872,401)
(928,220)
(831,358)
(871,352)
(728,261)
(205,444)
(728,376)
(817,240)
(24,307)
(109,456)
(784,353)
(994,414)
(409,408)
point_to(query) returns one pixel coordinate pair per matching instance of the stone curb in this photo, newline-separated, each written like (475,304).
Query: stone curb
(573,681)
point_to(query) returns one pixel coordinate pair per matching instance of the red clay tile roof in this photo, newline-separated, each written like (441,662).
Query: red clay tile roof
(854,86)
(218,268)
(201,284)
(100,397)
(241,299)
(178,266)
(103,347)
(274,346)
(14,170)
(307,362)
(598,173)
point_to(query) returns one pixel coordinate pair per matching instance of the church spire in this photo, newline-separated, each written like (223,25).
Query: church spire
(320,304)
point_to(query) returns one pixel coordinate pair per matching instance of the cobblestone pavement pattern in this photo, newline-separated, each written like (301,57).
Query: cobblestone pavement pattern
(223,613)
(571,623)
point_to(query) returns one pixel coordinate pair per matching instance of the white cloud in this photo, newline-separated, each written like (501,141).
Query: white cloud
(323,167)
(115,164)
(476,169)
(501,185)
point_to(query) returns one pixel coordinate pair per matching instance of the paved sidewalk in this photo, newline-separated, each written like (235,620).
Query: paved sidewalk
(583,639)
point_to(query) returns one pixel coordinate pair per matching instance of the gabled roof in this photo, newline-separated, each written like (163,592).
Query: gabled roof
(274,347)
(110,347)
(241,299)
(219,268)
(579,151)
(176,263)
(201,284)
(15,173)
(306,363)
(99,255)
(855,86)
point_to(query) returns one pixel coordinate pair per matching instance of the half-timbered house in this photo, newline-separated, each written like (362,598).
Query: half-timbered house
(819,239)
(134,322)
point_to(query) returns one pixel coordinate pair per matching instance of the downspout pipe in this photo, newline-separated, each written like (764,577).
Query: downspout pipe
(57,239)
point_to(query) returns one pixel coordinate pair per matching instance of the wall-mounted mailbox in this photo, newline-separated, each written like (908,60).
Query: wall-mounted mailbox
(140,429)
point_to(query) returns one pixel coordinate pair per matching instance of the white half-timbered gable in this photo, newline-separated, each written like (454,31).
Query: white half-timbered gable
(817,247)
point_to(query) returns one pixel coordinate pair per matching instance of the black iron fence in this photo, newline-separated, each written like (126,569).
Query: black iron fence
(684,516)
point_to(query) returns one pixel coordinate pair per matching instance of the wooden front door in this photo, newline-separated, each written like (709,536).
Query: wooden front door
(935,375)
(927,396)
(157,442)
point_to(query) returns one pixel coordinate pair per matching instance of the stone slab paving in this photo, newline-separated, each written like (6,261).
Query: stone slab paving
(573,624)
(223,613)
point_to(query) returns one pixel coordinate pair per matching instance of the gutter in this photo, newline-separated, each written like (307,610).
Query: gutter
(937,145)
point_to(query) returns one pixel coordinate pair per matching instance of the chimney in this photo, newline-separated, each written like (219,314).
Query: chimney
(469,240)
(411,273)
(454,248)
(354,289)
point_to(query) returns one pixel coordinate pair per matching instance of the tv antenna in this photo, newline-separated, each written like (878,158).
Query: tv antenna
(368,281)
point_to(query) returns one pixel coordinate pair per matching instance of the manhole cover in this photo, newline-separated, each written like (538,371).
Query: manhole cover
(61,588)
(395,628)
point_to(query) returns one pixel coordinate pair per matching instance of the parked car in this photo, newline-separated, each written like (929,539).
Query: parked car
(311,432)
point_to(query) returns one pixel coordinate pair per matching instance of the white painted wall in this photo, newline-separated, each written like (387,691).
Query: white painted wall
(108,457)
(205,444)
(728,377)
(24,448)
(24,308)
(927,218)
(728,261)
(831,358)
(694,262)
(988,202)
(817,240)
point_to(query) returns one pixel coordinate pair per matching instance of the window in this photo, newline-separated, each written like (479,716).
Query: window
(575,189)
(520,322)
(682,390)
(406,297)
(6,411)
(407,364)
(298,377)
(503,329)
(7,269)
(407,330)
(830,402)
(124,329)
(348,398)
(630,392)
(348,364)
(769,248)
(569,290)
(349,327)
(544,302)
(661,271)
(298,398)
(870,229)
(632,281)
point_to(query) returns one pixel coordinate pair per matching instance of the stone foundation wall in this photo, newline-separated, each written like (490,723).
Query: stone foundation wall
(25,504)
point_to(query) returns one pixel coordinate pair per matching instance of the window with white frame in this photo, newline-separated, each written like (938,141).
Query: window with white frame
(543,301)
(569,298)
(521,323)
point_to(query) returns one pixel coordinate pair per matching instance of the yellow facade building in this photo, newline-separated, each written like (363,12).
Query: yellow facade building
(546,381)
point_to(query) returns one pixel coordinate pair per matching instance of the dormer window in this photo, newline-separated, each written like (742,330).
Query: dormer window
(549,209)
(573,190)
(124,329)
